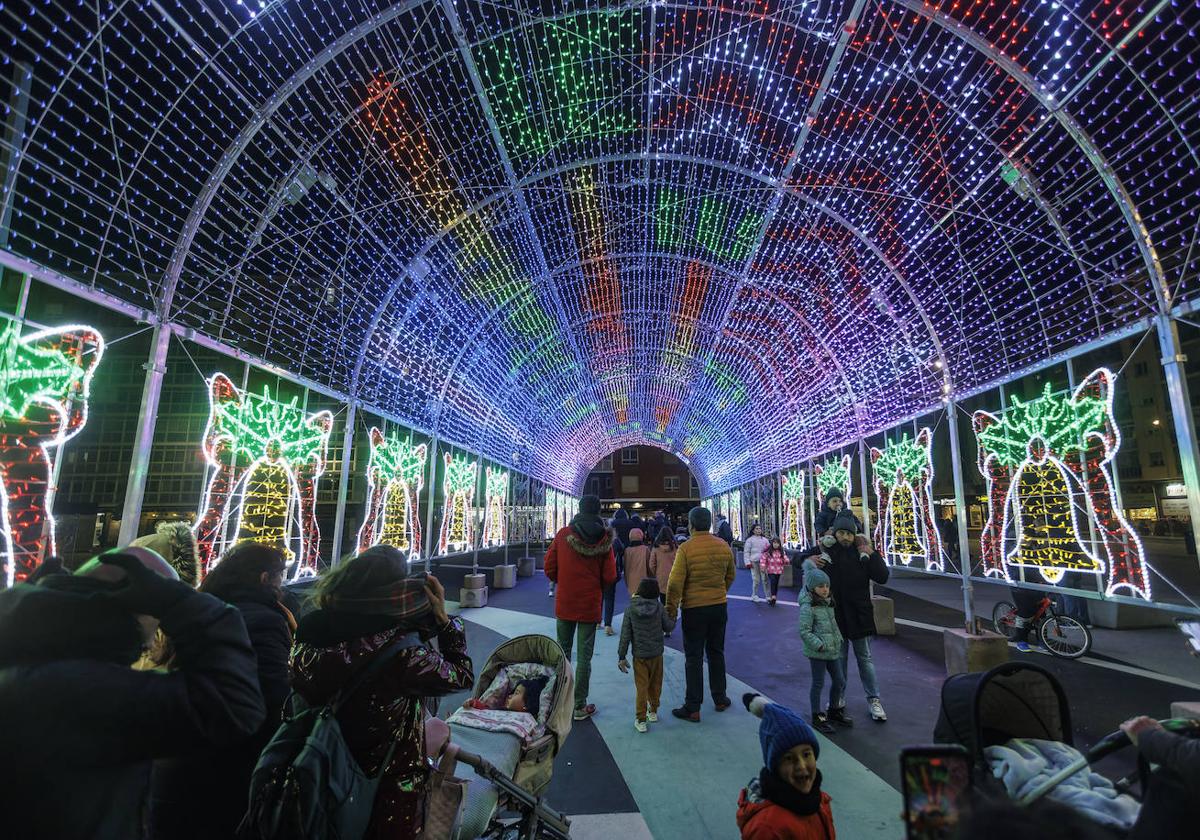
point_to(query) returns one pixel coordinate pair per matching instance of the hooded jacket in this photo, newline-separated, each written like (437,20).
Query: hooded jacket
(702,574)
(79,727)
(662,558)
(850,579)
(580,561)
(643,625)
(622,525)
(331,646)
(825,516)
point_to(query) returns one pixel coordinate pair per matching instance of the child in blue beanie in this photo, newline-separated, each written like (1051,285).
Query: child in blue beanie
(786,799)
(823,647)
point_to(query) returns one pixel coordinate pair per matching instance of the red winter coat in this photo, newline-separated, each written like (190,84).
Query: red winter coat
(386,709)
(580,571)
(762,819)
(773,562)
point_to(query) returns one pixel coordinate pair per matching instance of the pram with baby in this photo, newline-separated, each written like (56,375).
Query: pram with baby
(1014,721)
(513,758)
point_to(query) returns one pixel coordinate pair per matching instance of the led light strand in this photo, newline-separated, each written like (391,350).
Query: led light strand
(395,478)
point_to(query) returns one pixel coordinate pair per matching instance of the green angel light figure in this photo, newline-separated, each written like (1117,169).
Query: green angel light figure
(496,483)
(264,459)
(395,477)
(45,379)
(904,527)
(459,486)
(833,473)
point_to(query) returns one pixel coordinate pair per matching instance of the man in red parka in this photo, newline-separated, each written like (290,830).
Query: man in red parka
(580,563)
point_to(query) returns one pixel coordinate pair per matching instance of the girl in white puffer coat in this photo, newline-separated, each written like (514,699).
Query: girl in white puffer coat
(752,551)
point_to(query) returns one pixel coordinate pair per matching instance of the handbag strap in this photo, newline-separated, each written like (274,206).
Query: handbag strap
(449,760)
(408,640)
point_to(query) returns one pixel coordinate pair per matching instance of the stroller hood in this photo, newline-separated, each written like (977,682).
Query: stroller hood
(1014,700)
(544,650)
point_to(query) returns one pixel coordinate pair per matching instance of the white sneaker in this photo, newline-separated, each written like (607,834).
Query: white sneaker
(550,594)
(755,598)
(652,717)
(877,712)
(641,726)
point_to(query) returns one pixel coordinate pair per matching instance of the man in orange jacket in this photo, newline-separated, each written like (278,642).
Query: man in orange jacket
(702,575)
(580,562)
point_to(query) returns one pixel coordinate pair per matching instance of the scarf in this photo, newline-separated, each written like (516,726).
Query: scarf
(786,796)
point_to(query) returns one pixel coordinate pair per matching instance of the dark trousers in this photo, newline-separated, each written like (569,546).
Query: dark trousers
(774,584)
(610,599)
(704,636)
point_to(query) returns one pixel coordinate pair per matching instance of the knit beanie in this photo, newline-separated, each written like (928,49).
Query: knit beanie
(845,522)
(814,577)
(590,504)
(835,493)
(780,730)
(636,535)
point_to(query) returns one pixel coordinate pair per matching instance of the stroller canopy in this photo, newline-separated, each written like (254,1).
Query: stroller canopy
(1014,700)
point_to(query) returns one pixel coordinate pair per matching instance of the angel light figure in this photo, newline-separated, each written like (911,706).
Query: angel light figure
(905,527)
(395,477)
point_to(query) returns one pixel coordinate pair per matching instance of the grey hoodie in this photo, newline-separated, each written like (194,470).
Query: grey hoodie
(644,623)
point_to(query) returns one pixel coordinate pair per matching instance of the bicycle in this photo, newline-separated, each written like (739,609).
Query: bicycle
(1060,634)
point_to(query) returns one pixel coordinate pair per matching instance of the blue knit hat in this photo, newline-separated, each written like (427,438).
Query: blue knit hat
(780,730)
(814,577)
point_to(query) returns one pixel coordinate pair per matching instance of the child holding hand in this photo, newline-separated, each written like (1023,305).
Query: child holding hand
(643,626)
(823,647)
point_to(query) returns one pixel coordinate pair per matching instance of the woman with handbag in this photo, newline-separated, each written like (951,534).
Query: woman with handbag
(365,605)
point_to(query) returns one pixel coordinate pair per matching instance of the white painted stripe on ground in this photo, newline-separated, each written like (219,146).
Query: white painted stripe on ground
(686,777)
(608,826)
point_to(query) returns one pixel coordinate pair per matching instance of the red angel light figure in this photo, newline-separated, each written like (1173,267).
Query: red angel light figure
(44,382)
(264,458)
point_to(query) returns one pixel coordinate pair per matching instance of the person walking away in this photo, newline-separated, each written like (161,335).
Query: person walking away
(724,530)
(366,606)
(850,577)
(785,802)
(755,545)
(610,591)
(772,562)
(581,561)
(250,577)
(822,647)
(700,579)
(637,560)
(662,558)
(643,626)
(80,727)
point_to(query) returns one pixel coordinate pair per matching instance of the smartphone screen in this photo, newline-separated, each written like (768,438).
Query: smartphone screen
(937,783)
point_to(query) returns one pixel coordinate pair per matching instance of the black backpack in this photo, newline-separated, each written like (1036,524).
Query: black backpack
(307,785)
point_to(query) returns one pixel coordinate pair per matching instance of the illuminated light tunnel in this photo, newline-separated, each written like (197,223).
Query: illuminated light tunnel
(747,232)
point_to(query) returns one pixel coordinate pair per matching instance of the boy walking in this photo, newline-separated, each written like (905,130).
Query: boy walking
(643,626)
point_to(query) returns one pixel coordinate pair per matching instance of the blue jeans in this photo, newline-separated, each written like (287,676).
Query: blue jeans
(837,670)
(866,669)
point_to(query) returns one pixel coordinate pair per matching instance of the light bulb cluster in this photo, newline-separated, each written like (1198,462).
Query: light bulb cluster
(747,233)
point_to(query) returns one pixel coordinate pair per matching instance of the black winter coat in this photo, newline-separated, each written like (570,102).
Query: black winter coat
(221,778)
(1172,804)
(622,524)
(725,532)
(823,521)
(850,584)
(78,733)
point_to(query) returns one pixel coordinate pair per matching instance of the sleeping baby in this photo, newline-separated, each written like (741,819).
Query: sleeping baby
(525,696)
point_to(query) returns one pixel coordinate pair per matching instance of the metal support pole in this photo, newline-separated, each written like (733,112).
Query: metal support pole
(1096,546)
(812,501)
(960,509)
(862,477)
(14,133)
(139,465)
(477,516)
(429,546)
(1173,361)
(339,522)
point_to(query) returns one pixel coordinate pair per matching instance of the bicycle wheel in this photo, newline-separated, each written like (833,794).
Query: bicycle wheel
(1064,636)
(1004,619)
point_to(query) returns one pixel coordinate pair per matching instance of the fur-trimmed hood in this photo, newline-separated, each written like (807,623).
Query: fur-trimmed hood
(591,549)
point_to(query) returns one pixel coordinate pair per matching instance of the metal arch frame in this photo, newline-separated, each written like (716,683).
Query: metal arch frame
(1077,133)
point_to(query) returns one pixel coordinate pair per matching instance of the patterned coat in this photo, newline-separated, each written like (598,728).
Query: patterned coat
(773,562)
(386,709)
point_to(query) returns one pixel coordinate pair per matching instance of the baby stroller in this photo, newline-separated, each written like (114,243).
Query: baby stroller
(510,773)
(1021,700)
